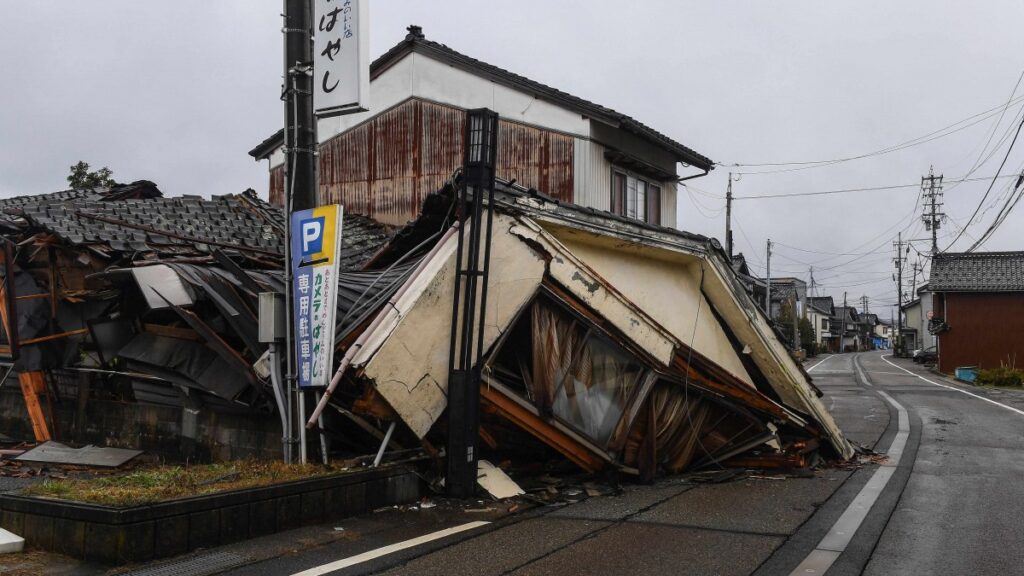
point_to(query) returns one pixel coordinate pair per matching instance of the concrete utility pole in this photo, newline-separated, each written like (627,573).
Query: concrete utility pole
(768,282)
(915,268)
(846,314)
(899,286)
(864,303)
(728,218)
(796,329)
(931,191)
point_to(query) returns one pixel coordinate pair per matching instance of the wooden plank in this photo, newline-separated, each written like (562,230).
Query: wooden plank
(31,384)
(496,403)
(53,337)
(172,332)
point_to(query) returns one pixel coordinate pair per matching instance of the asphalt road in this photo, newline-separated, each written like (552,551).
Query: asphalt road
(962,511)
(954,505)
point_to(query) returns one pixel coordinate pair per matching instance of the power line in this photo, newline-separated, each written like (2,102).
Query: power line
(867,189)
(940,133)
(1001,217)
(991,184)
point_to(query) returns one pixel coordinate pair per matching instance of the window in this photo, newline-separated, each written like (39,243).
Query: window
(824,323)
(636,198)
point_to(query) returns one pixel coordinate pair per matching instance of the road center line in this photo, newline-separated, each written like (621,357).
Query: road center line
(990,401)
(839,535)
(389,549)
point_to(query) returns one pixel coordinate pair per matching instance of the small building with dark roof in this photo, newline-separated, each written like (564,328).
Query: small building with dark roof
(978,300)
(383,162)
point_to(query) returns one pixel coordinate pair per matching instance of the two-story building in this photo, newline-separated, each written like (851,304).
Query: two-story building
(383,162)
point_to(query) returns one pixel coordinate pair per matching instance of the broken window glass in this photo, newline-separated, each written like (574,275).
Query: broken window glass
(579,376)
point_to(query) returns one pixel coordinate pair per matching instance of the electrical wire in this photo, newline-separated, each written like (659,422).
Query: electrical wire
(991,184)
(940,133)
(916,185)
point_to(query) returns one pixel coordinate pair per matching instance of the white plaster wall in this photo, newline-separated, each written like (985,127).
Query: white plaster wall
(410,368)
(668,291)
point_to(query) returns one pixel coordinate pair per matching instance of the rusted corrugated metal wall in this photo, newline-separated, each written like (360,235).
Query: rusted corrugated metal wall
(277,186)
(384,167)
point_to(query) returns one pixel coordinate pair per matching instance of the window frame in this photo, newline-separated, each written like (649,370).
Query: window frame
(647,210)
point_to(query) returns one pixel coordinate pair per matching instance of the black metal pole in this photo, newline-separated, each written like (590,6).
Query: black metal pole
(300,164)
(470,301)
(300,128)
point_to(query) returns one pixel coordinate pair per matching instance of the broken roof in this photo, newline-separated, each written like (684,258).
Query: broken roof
(136,220)
(977,272)
(416,42)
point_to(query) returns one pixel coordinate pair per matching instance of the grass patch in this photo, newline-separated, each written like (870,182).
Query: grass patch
(162,483)
(1002,377)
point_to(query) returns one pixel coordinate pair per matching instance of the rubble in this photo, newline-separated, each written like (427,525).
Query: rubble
(618,346)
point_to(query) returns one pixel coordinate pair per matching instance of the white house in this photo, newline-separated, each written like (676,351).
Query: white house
(381,163)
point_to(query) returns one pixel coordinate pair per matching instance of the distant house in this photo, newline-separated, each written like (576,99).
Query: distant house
(820,310)
(845,329)
(382,163)
(978,309)
(871,339)
(788,292)
(883,334)
(915,321)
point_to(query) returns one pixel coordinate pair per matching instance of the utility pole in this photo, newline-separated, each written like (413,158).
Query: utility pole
(728,218)
(846,314)
(864,303)
(300,177)
(796,330)
(768,282)
(811,291)
(300,122)
(931,192)
(916,267)
(899,288)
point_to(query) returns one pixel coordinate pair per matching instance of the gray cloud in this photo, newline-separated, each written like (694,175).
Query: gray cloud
(178,93)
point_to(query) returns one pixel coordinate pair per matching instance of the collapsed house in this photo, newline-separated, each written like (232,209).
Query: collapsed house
(130,318)
(614,343)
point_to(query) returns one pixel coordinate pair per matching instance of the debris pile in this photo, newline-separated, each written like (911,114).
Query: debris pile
(615,345)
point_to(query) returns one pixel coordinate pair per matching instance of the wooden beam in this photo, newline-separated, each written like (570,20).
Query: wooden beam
(495,402)
(172,332)
(8,300)
(53,337)
(32,384)
(33,296)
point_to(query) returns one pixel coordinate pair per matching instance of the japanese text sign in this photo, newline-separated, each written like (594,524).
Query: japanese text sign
(315,245)
(341,65)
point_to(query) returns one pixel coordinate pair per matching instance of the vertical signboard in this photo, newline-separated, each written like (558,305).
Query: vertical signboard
(341,64)
(316,245)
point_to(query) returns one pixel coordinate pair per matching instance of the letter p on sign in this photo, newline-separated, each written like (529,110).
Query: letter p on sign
(312,234)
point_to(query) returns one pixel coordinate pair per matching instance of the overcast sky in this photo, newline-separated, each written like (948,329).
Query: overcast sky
(178,92)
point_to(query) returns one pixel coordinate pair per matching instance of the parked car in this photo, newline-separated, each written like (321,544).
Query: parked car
(926,355)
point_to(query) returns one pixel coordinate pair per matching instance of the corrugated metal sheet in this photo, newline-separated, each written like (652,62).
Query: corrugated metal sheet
(384,167)
(593,175)
(277,186)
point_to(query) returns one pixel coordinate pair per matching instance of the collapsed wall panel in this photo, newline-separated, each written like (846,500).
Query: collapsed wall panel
(409,366)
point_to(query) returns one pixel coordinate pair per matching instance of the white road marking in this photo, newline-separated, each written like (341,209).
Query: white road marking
(838,537)
(1000,404)
(820,362)
(860,371)
(390,549)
